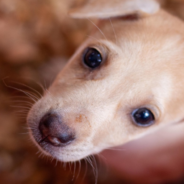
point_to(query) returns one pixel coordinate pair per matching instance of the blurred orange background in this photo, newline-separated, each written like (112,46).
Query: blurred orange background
(36,40)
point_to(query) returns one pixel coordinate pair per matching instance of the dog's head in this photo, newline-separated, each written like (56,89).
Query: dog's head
(124,81)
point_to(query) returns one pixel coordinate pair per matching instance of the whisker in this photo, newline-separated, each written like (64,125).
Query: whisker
(21,115)
(32,80)
(39,94)
(22,110)
(20,97)
(28,128)
(98,28)
(56,163)
(52,159)
(33,95)
(29,94)
(44,85)
(85,169)
(113,30)
(19,106)
(95,168)
(44,88)
(34,98)
(116,149)
(25,133)
(64,165)
(92,37)
(74,164)
(22,102)
(103,162)
(70,166)
(79,169)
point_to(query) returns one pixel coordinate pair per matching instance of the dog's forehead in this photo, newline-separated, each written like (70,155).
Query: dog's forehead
(155,30)
(147,45)
(140,55)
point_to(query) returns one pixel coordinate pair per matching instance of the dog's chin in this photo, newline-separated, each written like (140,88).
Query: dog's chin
(65,154)
(67,157)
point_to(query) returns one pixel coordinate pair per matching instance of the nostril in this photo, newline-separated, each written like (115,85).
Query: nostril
(53,140)
(60,140)
(55,132)
(47,123)
(66,138)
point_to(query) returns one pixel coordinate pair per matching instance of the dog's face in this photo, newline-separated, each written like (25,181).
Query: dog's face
(120,84)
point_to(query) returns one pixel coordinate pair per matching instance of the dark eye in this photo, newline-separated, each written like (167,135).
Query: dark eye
(92,58)
(143,117)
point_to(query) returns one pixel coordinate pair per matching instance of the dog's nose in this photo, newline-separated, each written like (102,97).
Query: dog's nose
(55,132)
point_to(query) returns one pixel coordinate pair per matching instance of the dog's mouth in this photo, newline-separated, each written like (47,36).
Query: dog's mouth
(65,152)
(56,139)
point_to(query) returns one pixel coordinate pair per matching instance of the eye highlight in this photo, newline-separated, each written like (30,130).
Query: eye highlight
(92,58)
(143,117)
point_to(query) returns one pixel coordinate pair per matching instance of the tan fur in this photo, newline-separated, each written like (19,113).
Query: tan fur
(144,68)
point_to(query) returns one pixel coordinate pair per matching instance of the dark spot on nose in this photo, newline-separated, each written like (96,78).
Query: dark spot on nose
(54,131)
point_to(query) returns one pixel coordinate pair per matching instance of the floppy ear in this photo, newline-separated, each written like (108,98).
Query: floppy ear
(114,8)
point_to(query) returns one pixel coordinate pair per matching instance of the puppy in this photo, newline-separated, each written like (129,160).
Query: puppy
(125,81)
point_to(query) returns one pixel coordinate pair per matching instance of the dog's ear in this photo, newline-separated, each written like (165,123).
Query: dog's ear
(114,8)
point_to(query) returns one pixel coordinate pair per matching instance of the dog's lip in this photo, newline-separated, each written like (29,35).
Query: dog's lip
(50,139)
